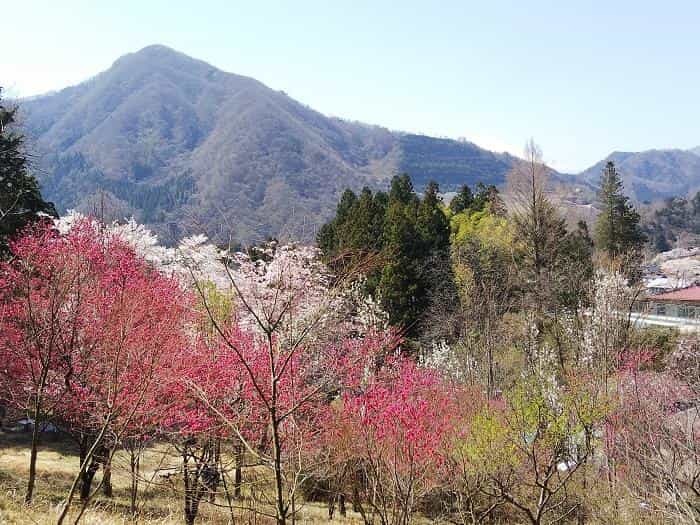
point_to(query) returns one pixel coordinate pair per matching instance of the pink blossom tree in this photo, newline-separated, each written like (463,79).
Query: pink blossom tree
(392,436)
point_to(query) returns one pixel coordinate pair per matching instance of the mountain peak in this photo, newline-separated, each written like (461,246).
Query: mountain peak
(156,48)
(157,51)
(163,55)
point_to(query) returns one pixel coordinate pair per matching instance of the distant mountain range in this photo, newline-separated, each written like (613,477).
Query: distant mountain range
(654,174)
(186,147)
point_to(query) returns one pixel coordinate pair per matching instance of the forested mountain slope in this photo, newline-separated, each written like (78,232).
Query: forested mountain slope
(652,175)
(184,147)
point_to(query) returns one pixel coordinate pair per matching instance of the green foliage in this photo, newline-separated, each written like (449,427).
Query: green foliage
(218,306)
(677,217)
(483,226)
(431,223)
(408,231)
(462,200)
(617,231)
(20,199)
(483,255)
(487,447)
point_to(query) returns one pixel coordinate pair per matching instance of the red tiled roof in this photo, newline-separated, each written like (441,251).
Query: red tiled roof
(692,293)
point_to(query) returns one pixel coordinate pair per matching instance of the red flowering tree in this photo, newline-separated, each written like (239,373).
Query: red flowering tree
(45,293)
(392,438)
(285,352)
(273,399)
(90,324)
(137,319)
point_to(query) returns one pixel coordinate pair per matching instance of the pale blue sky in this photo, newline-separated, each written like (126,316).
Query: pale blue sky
(582,78)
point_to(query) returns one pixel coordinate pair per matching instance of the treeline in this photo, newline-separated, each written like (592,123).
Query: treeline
(77,180)
(678,220)
(411,232)
(432,255)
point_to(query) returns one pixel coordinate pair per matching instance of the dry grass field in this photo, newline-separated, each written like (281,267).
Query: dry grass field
(160,499)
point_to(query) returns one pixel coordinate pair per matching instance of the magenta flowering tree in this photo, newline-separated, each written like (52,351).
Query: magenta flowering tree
(393,437)
(90,324)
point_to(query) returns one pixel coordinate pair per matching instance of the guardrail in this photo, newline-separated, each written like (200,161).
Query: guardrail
(684,324)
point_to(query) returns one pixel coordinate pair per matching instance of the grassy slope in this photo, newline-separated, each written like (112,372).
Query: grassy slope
(58,463)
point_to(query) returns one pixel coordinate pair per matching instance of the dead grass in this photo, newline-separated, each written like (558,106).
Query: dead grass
(161,500)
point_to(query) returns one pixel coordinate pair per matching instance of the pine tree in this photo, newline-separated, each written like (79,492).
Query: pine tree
(361,228)
(617,231)
(488,196)
(327,237)
(399,288)
(401,190)
(20,200)
(462,201)
(431,223)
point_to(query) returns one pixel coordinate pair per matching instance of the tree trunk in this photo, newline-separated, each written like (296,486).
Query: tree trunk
(107,475)
(88,456)
(86,478)
(32,456)
(341,505)
(355,497)
(135,462)
(35,438)
(277,463)
(238,473)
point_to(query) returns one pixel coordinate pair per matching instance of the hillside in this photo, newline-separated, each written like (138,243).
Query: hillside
(654,174)
(184,147)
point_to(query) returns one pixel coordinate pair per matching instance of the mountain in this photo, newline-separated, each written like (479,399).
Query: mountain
(696,151)
(652,175)
(186,147)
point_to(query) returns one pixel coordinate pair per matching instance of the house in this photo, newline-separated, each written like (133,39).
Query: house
(684,303)
(676,309)
(662,284)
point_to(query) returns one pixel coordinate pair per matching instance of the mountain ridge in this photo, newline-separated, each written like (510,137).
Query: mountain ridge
(183,145)
(653,174)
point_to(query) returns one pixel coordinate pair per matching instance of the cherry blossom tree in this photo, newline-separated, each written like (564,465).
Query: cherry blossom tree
(135,321)
(90,324)
(653,438)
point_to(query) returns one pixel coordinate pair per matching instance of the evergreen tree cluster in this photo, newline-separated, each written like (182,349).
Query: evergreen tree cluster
(20,199)
(677,218)
(411,233)
(467,200)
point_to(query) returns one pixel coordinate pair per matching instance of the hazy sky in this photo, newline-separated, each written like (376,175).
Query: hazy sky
(583,80)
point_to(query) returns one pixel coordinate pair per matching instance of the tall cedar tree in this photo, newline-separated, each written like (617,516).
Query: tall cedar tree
(617,230)
(462,201)
(408,231)
(20,200)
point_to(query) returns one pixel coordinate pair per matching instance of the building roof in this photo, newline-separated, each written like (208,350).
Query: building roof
(692,294)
